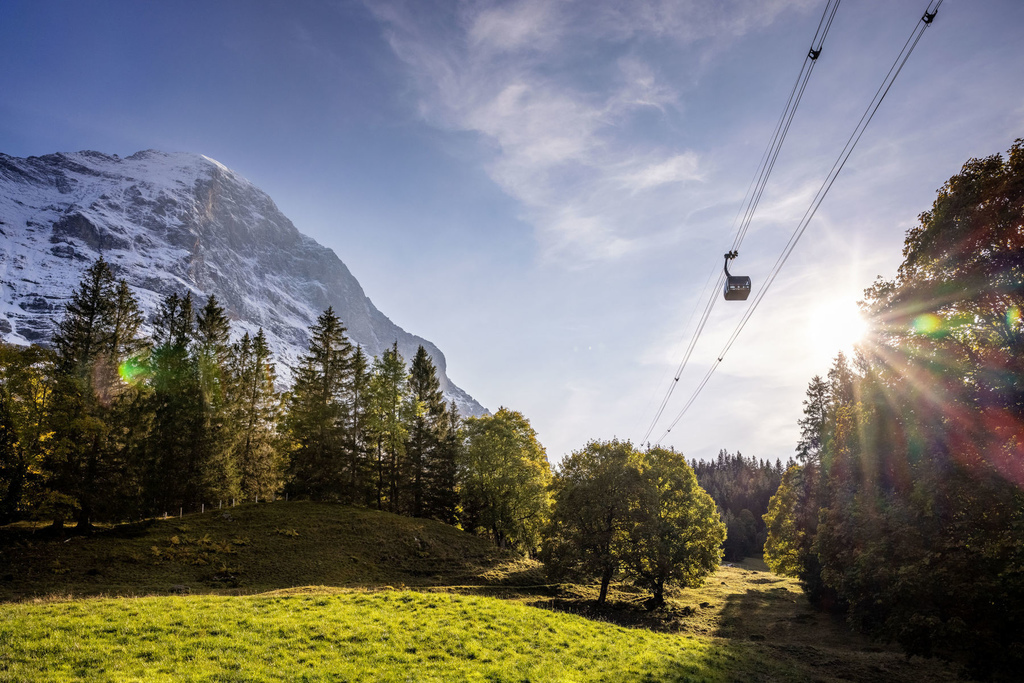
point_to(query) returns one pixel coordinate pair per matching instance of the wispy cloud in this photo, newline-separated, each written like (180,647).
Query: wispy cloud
(565,137)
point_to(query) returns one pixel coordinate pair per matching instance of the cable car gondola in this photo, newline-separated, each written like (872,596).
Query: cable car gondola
(737,287)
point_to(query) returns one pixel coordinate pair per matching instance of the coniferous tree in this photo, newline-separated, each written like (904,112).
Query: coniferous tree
(442,495)
(318,412)
(912,520)
(255,410)
(424,430)
(814,421)
(211,349)
(392,407)
(178,446)
(358,467)
(89,461)
(741,488)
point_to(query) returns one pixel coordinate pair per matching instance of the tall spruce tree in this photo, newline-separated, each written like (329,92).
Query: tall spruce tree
(357,466)
(442,495)
(424,430)
(211,349)
(178,446)
(254,411)
(100,327)
(391,409)
(318,411)
(814,421)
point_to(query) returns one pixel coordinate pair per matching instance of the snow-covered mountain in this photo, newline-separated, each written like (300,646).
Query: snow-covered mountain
(171,222)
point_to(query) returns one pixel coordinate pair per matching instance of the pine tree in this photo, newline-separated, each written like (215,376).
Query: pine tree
(318,412)
(357,446)
(391,409)
(424,429)
(255,410)
(812,425)
(211,350)
(100,327)
(442,496)
(177,448)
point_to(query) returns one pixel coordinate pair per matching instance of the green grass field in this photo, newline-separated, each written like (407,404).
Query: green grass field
(304,591)
(382,636)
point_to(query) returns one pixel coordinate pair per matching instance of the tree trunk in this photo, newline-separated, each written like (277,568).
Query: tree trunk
(658,599)
(606,578)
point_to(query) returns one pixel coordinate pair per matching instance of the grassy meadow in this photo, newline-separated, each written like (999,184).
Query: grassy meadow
(304,591)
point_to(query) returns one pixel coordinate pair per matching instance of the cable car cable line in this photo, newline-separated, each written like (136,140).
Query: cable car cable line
(894,71)
(782,128)
(754,193)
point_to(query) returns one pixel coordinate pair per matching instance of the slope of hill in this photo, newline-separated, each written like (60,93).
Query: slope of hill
(329,610)
(171,222)
(245,549)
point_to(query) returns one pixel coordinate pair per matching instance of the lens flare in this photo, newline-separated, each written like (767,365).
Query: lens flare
(1013,317)
(928,323)
(130,371)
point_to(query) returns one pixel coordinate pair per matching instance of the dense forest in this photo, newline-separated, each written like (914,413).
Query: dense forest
(108,425)
(906,510)
(741,488)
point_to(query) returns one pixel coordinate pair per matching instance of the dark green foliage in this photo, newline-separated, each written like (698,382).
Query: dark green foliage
(211,351)
(357,468)
(814,422)
(595,491)
(675,532)
(434,445)
(741,488)
(912,514)
(26,393)
(424,428)
(113,426)
(644,513)
(91,459)
(391,410)
(442,496)
(742,537)
(317,412)
(178,445)
(254,411)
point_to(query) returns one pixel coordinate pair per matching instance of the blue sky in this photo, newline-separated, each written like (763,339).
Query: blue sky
(543,187)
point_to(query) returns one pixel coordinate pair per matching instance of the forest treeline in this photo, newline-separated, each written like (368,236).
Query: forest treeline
(907,510)
(108,424)
(741,488)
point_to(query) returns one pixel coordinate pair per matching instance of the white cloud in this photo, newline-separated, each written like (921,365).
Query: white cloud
(556,133)
(532,25)
(676,169)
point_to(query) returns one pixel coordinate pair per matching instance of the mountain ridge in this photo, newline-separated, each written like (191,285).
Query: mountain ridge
(169,222)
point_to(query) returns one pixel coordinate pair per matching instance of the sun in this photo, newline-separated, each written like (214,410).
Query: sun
(836,326)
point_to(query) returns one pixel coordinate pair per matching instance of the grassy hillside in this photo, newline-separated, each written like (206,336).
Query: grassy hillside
(246,549)
(332,606)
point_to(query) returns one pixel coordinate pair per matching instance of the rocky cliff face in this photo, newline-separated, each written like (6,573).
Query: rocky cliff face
(171,222)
